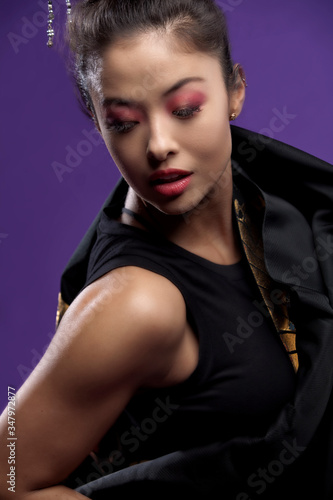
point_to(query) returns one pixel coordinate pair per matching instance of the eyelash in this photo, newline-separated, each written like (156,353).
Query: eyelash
(184,113)
(120,127)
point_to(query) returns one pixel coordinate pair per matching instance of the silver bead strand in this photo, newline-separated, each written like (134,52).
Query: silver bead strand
(50,28)
(69,9)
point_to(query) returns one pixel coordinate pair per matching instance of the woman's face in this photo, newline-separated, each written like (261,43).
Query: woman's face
(164,116)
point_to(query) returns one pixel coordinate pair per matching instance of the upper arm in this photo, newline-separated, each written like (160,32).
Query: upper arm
(116,337)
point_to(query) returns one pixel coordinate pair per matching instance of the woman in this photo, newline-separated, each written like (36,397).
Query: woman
(174,367)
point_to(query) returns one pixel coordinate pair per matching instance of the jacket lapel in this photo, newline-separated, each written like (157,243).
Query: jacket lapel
(249,217)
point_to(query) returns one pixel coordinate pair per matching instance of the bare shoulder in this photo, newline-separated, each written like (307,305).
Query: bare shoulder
(132,313)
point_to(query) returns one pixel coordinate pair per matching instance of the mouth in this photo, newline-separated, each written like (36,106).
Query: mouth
(170,182)
(168,176)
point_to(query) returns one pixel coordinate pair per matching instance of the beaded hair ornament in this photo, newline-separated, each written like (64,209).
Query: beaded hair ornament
(50,27)
(50,34)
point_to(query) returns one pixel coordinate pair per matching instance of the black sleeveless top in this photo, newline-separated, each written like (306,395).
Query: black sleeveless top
(244,375)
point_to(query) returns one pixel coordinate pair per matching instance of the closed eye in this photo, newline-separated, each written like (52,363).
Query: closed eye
(120,127)
(184,113)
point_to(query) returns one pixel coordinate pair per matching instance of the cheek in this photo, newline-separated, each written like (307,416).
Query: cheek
(212,138)
(124,154)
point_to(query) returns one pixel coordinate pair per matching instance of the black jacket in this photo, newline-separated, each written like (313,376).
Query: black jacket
(295,457)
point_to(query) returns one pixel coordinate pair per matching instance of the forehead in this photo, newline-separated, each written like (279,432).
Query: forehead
(147,65)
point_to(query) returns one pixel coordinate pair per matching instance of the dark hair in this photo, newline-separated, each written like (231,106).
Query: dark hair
(198,24)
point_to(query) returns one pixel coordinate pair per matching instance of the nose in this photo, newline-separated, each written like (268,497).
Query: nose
(161,142)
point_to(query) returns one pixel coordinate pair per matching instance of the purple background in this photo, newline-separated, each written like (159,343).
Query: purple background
(286,48)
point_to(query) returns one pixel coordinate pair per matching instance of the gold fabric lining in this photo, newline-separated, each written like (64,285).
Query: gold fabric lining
(61,309)
(254,250)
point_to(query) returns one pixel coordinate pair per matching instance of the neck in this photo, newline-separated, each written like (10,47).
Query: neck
(208,230)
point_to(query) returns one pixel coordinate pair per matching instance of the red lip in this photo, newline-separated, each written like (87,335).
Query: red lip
(170,182)
(168,175)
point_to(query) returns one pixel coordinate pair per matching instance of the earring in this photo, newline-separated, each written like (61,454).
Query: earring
(233,117)
(50,28)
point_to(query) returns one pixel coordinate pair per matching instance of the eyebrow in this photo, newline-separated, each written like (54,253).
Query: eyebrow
(109,101)
(181,84)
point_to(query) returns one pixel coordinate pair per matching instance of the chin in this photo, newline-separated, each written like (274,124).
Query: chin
(179,207)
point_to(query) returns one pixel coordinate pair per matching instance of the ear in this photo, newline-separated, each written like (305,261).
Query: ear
(237,93)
